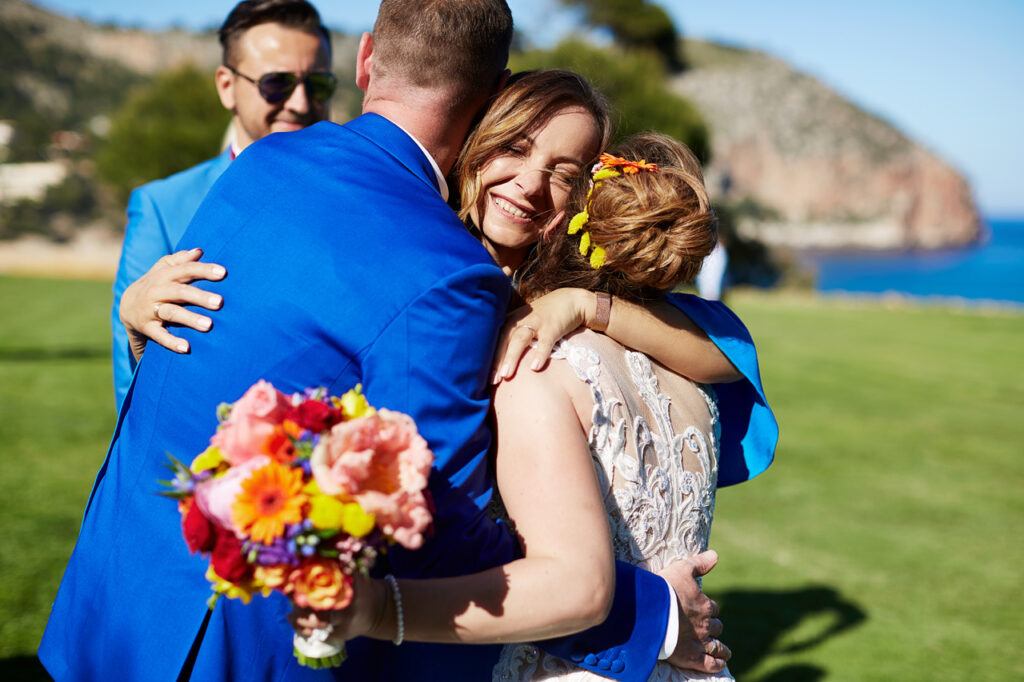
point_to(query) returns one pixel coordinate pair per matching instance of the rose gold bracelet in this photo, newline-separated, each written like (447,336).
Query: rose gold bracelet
(603,312)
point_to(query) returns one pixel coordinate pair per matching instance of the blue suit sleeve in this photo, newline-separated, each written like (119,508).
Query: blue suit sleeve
(145,241)
(626,646)
(749,430)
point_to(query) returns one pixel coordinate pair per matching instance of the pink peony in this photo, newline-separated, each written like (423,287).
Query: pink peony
(252,421)
(383,464)
(216,496)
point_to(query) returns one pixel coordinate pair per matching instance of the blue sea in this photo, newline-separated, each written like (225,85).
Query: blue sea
(990,271)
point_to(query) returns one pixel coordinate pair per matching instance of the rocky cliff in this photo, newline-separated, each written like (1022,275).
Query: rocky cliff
(820,172)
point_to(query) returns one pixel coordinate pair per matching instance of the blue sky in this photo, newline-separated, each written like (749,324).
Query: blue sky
(949,73)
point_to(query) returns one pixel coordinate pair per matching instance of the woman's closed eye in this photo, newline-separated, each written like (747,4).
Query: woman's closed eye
(518,148)
(563,177)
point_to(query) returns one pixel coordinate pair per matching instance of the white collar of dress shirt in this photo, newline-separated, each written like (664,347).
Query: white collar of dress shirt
(442,184)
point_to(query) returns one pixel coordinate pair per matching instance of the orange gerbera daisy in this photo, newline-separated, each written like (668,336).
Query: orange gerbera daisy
(271,497)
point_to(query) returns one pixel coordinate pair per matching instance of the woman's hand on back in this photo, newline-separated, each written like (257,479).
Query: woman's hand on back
(532,330)
(158,297)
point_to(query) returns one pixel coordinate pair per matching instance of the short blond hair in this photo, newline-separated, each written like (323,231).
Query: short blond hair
(656,227)
(458,45)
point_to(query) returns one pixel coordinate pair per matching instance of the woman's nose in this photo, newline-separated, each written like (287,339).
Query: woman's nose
(532,181)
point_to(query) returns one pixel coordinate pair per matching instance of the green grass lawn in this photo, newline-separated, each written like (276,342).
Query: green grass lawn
(884,544)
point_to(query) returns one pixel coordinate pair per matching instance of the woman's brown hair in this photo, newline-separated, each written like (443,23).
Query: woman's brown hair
(526,104)
(656,227)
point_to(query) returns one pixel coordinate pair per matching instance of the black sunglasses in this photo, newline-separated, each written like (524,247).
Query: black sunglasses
(278,86)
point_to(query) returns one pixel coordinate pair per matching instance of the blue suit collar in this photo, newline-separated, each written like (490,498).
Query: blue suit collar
(398,143)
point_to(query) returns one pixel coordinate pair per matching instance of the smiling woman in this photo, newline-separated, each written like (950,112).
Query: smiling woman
(517,167)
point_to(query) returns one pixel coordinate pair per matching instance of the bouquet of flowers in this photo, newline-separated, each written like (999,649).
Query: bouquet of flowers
(298,493)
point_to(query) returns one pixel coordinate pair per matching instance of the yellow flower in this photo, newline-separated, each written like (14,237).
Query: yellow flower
(210,458)
(578,221)
(325,512)
(597,258)
(584,243)
(606,173)
(355,521)
(354,403)
(228,588)
(270,498)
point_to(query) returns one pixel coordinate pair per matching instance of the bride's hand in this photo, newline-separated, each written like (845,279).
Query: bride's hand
(365,616)
(158,296)
(535,327)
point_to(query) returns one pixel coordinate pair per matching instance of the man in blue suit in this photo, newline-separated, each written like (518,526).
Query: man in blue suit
(347,267)
(266,41)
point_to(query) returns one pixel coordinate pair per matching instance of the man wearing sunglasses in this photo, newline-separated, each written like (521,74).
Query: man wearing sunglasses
(275,77)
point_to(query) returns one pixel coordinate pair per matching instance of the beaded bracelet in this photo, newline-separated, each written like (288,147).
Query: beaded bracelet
(399,614)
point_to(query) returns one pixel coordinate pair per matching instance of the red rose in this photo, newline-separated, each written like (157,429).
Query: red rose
(198,531)
(314,415)
(227,559)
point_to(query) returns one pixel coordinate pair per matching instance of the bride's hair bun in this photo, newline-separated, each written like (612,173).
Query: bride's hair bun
(656,228)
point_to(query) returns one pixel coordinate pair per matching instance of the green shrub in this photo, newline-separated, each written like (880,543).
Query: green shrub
(164,127)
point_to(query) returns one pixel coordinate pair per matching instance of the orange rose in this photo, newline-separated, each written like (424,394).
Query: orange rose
(320,584)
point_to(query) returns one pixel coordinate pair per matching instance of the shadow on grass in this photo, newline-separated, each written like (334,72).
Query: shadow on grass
(756,622)
(23,669)
(37,353)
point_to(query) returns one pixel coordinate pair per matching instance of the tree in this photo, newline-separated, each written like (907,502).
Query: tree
(635,24)
(164,127)
(634,82)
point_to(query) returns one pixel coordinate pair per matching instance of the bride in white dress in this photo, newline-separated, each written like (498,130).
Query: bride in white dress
(653,434)
(654,442)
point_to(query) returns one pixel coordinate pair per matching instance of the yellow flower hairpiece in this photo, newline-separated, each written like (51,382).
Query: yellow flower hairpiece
(607,167)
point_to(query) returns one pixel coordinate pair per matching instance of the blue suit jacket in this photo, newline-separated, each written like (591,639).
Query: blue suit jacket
(158,213)
(345,266)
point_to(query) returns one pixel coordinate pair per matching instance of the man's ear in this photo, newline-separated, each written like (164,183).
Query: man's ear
(364,61)
(551,226)
(225,82)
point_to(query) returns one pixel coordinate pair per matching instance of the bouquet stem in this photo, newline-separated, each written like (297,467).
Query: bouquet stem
(316,652)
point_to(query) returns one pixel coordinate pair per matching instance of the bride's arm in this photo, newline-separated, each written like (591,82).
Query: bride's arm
(565,582)
(658,329)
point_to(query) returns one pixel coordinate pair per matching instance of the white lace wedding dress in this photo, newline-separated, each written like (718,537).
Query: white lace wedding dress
(654,442)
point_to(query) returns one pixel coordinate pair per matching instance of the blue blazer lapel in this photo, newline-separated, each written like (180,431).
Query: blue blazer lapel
(397,143)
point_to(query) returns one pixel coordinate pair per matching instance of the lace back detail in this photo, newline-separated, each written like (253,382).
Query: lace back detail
(654,440)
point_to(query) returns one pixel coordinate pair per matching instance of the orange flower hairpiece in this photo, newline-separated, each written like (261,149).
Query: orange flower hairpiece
(628,167)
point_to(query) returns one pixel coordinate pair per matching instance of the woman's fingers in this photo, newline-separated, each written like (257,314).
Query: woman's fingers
(175,314)
(517,338)
(156,332)
(187,294)
(540,352)
(190,272)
